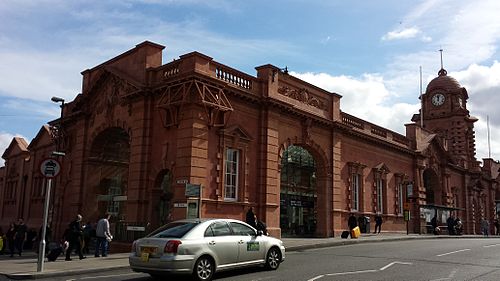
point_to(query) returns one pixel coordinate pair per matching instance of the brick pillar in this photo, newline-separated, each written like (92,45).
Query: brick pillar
(192,150)
(269,188)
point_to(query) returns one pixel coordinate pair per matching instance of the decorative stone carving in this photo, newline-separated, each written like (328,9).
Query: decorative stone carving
(301,95)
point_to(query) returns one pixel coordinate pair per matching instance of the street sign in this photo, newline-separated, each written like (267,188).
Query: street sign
(136,228)
(193,190)
(407,215)
(50,168)
(181,181)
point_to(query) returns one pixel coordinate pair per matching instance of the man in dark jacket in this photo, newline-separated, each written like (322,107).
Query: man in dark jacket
(352,222)
(75,234)
(378,223)
(250,218)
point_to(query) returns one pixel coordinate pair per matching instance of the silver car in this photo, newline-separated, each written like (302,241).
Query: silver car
(203,247)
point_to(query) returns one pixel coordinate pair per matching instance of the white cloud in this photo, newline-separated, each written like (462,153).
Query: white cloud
(483,86)
(401,34)
(365,97)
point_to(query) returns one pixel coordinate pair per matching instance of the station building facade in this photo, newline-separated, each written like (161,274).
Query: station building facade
(150,142)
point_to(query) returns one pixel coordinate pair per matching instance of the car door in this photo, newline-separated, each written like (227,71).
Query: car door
(222,243)
(251,247)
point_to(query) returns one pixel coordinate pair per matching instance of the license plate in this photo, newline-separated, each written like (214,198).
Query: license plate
(148,250)
(145,257)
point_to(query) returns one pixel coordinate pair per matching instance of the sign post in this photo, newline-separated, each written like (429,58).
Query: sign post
(407,216)
(49,168)
(194,190)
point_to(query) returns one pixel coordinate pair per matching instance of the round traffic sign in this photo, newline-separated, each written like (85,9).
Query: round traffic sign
(50,168)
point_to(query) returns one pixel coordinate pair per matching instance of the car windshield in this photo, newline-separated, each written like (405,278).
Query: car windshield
(174,229)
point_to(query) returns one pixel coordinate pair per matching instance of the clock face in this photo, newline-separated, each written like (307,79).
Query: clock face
(438,99)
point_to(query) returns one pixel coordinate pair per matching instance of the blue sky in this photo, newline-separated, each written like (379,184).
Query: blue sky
(367,51)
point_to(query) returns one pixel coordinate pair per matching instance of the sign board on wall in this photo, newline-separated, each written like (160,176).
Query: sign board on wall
(193,190)
(409,190)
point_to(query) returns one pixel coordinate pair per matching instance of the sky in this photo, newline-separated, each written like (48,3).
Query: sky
(369,52)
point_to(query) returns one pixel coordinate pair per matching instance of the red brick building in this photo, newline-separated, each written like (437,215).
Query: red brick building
(143,136)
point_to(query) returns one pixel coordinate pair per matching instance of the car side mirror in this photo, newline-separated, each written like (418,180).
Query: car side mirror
(259,232)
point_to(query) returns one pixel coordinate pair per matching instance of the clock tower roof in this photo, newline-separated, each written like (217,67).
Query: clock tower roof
(443,82)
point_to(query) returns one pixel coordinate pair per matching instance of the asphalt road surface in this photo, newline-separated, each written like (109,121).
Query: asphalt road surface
(433,259)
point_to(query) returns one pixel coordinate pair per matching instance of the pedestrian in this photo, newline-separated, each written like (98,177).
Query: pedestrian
(10,235)
(103,236)
(21,235)
(250,218)
(497,226)
(485,226)
(378,223)
(450,222)
(352,222)
(435,228)
(458,226)
(74,236)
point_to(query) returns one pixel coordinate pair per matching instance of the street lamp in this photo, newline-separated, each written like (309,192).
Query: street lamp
(59,128)
(54,163)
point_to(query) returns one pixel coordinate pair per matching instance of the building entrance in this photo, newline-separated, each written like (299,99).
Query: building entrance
(298,196)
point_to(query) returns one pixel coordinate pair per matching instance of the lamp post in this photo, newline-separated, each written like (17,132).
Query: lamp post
(59,127)
(50,168)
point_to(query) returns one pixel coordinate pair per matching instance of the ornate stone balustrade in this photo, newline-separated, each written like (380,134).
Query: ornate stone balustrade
(234,77)
(374,130)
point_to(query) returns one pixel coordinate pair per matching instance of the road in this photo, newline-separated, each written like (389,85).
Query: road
(434,260)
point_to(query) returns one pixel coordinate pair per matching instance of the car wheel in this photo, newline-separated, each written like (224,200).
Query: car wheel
(204,269)
(273,258)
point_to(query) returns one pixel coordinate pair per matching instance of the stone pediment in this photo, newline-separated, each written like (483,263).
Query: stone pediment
(109,88)
(382,168)
(17,146)
(236,132)
(42,138)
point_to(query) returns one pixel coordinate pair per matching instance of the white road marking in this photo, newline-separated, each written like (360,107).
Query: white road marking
(359,271)
(494,245)
(315,278)
(445,254)
(108,276)
(351,272)
(393,263)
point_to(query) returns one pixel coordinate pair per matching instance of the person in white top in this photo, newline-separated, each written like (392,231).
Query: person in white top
(103,236)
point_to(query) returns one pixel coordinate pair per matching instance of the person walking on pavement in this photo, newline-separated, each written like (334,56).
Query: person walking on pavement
(352,222)
(10,235)
(450,222)
(75,235)
(378,223)
(103,236)
(250,218)
(21,236)
(485,226)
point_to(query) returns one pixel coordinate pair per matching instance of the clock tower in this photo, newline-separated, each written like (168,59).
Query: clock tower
(444,109)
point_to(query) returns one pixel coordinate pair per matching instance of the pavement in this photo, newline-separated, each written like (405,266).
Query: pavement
(25,266)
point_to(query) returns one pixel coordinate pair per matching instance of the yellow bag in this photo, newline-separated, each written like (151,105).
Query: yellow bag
(355,232)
